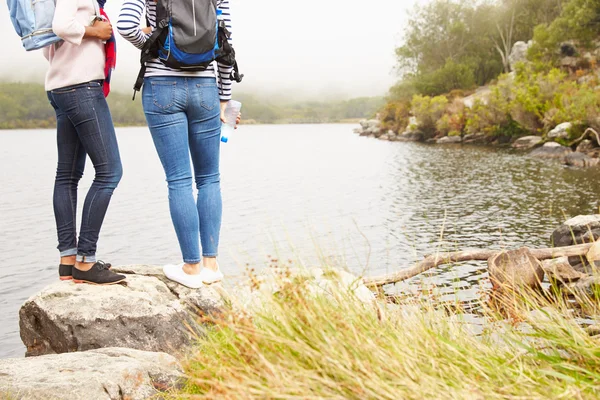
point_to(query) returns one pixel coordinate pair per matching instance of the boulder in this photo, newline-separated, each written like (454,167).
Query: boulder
(371,127)
(481,95)
(475,138)
(578,230)
(527,142)
(147,313)
(111,373)
(515,269)
(585,146)
(449,140)
(580,160)
(551,151)
(561,131)
(593,255)
(518,54)
(318,281)
(588,286)
(580,264)
(569,62)
(560,270)
(410,137)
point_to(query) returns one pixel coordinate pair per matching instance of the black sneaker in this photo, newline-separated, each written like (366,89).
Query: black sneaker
(66,271)
(99,274)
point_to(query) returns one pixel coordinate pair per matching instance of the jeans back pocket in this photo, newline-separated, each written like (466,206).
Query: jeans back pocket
(163,93)
(209,95)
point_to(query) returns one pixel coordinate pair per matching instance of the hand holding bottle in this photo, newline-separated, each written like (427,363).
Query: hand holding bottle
(230,117)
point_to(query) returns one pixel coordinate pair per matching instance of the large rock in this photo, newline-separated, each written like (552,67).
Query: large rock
(593,255)
(569,62)
(561,131)
(585,146)
(449,140)
(481,95)
(551,150)
(112,373)
(371,127)
(580,160)
(476,138)
(515,269)
(147,313)
(410,137)
(588,286)
(560,270)
(578,230)
(527,142)
(518,53)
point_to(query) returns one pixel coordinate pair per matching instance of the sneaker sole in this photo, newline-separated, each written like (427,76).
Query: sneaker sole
(77,281)
(212,283)
(66,278)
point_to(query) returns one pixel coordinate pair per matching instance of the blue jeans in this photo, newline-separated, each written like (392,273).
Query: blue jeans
(84,127)
(183,115)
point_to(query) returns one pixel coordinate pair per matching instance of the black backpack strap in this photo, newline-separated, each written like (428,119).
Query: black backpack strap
(148,54)
(235,74)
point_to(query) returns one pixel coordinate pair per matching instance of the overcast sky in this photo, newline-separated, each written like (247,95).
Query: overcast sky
(316,48)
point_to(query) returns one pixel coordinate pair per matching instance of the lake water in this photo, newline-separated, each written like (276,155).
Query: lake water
(309,193)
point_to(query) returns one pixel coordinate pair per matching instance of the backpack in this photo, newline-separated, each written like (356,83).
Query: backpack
(33,22)
(189,35)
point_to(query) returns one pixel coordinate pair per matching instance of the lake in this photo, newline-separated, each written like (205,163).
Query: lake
(312,194)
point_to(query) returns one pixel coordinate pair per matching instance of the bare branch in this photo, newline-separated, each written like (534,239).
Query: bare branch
(436,260)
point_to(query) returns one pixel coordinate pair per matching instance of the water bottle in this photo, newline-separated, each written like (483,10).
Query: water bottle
(232,111)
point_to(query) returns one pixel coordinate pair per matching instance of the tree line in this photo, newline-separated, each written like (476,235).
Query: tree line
(452,47)
(25,105)
(461,44)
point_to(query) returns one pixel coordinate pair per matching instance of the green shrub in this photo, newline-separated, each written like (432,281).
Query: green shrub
(579,21)
(394,116)
(450,77)
(492,114)
(428,111)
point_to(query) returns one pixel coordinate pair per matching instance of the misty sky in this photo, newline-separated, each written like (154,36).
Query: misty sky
(316,48)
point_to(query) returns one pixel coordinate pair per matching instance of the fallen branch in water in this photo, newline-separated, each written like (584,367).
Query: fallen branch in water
(587,133)
(436,260)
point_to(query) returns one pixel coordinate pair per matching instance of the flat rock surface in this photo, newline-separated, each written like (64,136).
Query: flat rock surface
(527,142)
(579,230)
(146,313)
(110,373)
(551,150)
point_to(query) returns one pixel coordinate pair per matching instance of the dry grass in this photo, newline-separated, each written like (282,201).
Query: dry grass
(335,347)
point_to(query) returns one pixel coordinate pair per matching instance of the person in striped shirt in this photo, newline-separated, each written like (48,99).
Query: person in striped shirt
(184,110)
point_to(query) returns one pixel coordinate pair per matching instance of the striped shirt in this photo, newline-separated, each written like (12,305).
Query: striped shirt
(129,26)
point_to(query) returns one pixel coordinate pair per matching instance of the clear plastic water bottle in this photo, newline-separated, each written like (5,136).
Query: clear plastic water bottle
(232,111)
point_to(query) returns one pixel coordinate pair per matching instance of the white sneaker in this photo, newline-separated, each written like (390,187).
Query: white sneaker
(209,276)
(176,274)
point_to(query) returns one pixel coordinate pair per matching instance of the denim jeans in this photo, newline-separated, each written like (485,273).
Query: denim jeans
(84,127)
(183,115)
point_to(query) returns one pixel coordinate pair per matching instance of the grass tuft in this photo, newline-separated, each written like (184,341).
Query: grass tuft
(335,347)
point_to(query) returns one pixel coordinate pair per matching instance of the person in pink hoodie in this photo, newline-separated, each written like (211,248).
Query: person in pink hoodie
(74,85)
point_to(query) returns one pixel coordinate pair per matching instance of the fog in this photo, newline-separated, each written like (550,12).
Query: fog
(310,49)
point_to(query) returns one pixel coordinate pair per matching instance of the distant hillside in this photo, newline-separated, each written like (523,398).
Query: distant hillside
(25,105)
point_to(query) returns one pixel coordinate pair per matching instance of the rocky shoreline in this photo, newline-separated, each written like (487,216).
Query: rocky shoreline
(127,341)
(585,153)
